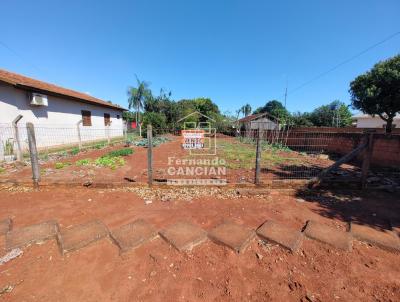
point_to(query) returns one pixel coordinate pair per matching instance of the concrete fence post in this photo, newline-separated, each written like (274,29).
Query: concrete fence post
(258,159)
(16,136)
(125,132)
(79,134)
(150,154)
(33,154)
(108,134)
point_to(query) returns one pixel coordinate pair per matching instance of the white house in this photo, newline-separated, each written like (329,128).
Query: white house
(369,121)
(60,115)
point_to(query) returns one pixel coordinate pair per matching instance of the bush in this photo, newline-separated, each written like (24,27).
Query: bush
(75,151)
(121,152)
(157,120)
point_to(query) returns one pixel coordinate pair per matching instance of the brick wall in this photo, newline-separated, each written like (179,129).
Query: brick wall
(386,151)
(343,130)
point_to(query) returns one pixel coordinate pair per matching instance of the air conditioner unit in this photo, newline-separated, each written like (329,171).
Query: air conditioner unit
(39,99)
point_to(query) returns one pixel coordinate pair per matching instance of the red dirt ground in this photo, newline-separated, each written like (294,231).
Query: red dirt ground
(157,272)
(135,167)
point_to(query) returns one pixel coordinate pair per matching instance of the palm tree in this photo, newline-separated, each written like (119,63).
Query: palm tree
(136,97)
(246,109)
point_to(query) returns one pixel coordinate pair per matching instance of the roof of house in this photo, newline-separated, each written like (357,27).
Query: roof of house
(26,83)
(256,116)
(362,115)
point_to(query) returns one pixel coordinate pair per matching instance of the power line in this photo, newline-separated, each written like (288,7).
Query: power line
(344,62)
(19,56)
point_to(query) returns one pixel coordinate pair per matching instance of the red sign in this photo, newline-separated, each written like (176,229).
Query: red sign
(133,125)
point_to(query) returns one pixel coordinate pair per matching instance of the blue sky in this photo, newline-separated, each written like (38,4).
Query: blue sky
(234,52)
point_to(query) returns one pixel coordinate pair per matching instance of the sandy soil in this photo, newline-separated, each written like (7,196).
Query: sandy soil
(157,272)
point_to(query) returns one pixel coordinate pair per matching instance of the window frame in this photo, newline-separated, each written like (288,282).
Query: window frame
(107,119)
(86,118)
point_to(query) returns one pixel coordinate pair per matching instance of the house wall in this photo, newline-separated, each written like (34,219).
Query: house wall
(54,124)
(374,122)
(263,124)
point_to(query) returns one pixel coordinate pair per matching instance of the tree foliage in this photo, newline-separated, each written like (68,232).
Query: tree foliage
(377,92)
(137,96)
(335,114)
(246,109)
(276,109)
(301,119)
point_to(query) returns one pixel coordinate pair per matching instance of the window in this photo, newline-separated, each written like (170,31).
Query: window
(86,118)
(107,120)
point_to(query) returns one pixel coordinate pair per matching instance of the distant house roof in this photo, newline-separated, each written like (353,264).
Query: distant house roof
(257,116)
(362,116)
(26,83)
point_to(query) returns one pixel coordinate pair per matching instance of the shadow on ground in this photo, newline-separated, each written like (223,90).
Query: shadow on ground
(373,208)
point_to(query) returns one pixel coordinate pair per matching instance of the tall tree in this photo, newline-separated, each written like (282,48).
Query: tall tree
(276,109)
(335,114)
(137,96)
(299,119)
(246,109)
(377,92)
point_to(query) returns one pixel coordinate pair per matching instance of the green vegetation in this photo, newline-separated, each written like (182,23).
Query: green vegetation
(2,170)
(9,147)
(110,162)
(334,114)
(120,152)
(100,145)
(84,162)
(61,165)
(276,109)
(156,141)
(242,154)
(74,151)
(163,113)
(377,92)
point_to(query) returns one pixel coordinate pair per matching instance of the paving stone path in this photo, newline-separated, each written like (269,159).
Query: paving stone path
(185,236)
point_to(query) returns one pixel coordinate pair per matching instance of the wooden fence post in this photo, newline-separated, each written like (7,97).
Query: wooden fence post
(150,154)
(16,136)
(33,154)
(367,159)
(258,159)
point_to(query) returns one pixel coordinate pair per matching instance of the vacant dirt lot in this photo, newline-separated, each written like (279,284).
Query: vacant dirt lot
(239,157)
(157,272)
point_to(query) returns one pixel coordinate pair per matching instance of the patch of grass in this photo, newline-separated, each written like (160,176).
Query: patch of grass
(110,162)
(84,162)
(2,170)
(120,152)
(61,165)
(240,155)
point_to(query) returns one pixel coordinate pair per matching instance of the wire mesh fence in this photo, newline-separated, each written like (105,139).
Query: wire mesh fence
(72,152)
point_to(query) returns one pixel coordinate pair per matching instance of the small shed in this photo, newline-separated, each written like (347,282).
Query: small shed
(261,121)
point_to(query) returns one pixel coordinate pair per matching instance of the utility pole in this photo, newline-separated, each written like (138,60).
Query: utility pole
(286,91)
